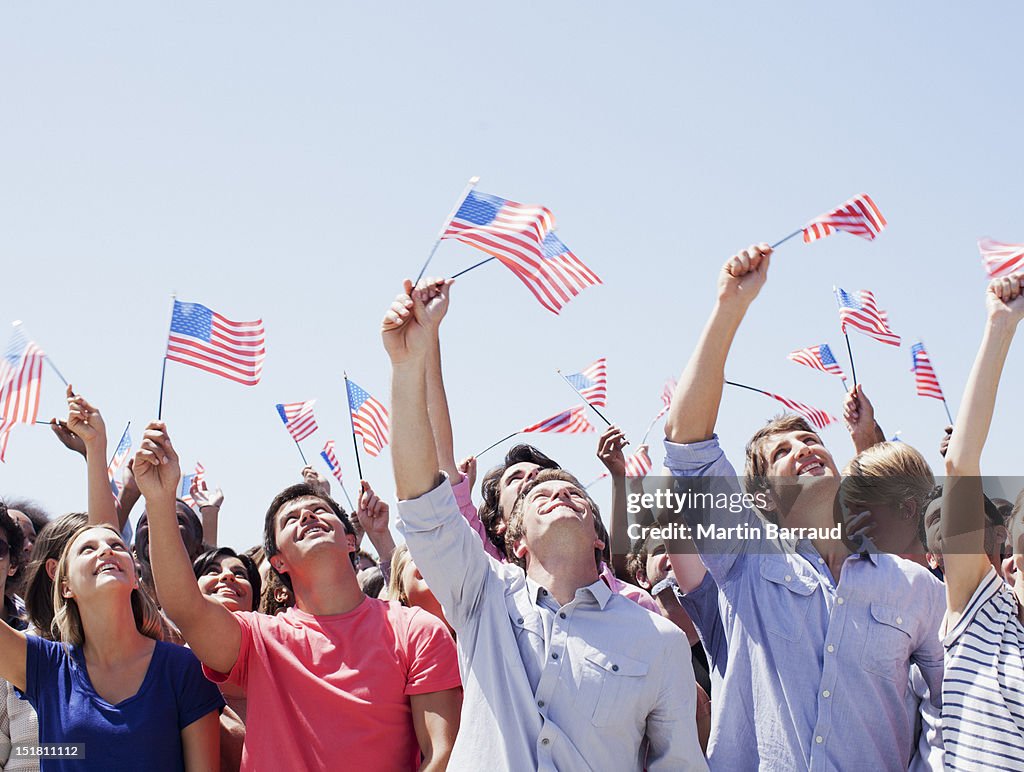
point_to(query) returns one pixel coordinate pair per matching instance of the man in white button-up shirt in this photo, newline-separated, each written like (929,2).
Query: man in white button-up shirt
(559,672)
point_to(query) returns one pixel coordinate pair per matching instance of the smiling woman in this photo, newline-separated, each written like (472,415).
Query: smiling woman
(231,579)
(110,685)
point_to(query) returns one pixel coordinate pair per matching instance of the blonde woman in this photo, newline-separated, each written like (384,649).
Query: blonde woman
(129,699)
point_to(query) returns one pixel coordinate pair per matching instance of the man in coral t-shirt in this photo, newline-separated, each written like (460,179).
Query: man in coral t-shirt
(338,681)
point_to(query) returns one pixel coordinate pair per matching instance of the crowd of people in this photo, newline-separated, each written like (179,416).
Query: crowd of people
(516,628)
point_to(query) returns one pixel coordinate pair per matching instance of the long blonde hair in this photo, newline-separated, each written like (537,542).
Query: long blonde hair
(67,621)
(396,586)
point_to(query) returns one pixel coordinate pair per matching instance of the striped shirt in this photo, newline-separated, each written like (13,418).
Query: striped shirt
(983,685)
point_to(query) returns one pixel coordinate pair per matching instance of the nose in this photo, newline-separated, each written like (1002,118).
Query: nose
(306,515)
(531,474)
(800,448)
(226,575)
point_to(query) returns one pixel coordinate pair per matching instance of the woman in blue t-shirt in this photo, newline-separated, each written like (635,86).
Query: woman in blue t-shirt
(126,698)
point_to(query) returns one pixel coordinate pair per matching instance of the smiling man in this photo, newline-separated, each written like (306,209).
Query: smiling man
(820,639)
(560,672)
(338,681)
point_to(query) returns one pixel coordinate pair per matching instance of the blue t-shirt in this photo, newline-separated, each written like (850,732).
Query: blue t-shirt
(141,732)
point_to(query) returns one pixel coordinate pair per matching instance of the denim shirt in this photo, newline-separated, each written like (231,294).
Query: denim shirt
(818,671)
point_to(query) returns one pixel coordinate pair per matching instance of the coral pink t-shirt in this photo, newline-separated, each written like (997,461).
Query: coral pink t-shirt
(332,692)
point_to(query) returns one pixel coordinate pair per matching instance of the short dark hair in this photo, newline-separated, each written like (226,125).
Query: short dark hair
(15,538)
(292,492)
(202,564)
(490,489)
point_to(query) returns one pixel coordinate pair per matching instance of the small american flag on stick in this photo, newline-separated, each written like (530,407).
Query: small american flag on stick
(858,216)
(203,338)
(571,421)
(862,313)
(818,358)
(592,383)
(369,418)
(298,418)
(924,374)
(331,459)
(1001,259)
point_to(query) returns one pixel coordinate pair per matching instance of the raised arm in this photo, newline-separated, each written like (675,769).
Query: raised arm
(208,627)
(209,504)
(962,524)
(87,424)
(859,415)
(698,394)
(437,399)
(408,337)
(609,451)
(373,515)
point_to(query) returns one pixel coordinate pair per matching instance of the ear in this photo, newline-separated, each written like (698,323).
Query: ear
(65,591)
(500,527)
(642,580)
(909,509)
(598,543)
(51,568)
(519,549)
(278,564)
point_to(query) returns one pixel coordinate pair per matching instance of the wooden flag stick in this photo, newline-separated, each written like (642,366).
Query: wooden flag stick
(599,413)
(352,423)
(469,187)
(849,350)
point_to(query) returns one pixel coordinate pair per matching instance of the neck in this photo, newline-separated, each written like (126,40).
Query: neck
(328,587)
(562,573)
(110,632)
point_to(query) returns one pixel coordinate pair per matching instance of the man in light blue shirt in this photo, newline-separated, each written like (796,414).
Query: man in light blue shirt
(559,672)
(820,638)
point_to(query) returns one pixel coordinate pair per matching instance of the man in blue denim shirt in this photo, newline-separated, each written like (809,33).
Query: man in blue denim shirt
(820,638)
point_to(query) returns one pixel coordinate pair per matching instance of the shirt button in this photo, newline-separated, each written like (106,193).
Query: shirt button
(545,741)
(540,703)
(543,592)
(561,615)
(615,668)
(819,739)
(831,648)
(840,601)
(899,620)
(821,561)
(789,578)
(825,694)
(554,655)
(519,621)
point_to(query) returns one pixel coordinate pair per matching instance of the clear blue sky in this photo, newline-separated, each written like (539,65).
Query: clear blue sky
(295,164)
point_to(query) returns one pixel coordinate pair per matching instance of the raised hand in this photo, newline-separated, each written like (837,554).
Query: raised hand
(67,438)
(157,470)
(467,468)
(744,274)
(85,422)
(373,512)
(204,497)
(609,450)
(435,296)
(314,479)
(1004,298)
(405,330)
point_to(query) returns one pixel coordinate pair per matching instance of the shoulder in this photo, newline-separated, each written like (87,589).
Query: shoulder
(406,621)
(911,573)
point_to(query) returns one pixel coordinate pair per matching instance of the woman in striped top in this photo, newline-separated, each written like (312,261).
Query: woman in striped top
(983,686)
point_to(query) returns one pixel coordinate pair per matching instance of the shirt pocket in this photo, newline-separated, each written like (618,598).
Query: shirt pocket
(887,643)
(785,598)
(612,685)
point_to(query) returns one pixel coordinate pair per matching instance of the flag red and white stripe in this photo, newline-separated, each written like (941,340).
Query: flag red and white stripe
(21,379)
(1001,259)
(817,358)
(298,418)
(862,313)
(638,464)
(858,216)
(329,456)
(205,339)
(571,421)
(591,383)
(817,417)
(369,418)
(924,373)
(666,397)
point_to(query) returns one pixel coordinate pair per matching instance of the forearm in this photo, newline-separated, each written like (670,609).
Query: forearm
(867,437)
(698,394)
(172,570)
(126,503)
(413,453)
(384,545)
(211,519)
(102,509)
(617,524)
(437,409)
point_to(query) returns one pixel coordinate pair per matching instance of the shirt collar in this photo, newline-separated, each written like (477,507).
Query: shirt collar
(599,591)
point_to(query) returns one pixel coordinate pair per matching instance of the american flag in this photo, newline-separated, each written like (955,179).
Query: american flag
(205,339)
(5,435)
(819,418)
(298,418)
(369,418)
(924,374)
(666,397)
(185,492)
(858,216)
(592,383)
(638,464)
(1001,259)
(571,421)
(331,460)
(119,461)
(520,237)
(863,314)
(818,358)
(21,377)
